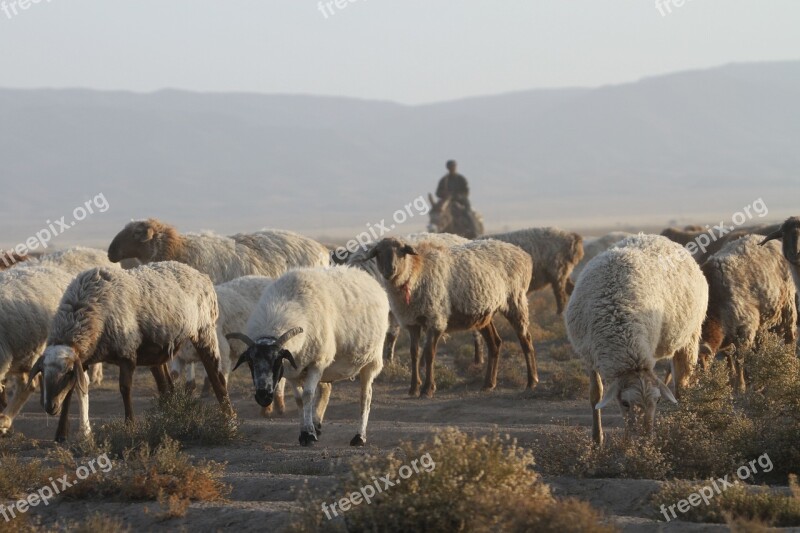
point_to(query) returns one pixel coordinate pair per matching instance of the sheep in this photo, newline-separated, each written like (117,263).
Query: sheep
(128,318)
(595,246)
(444,289)
(237,299)
(626,313)
(329,324)
(789,233)
(554,253)
(703,243)
(750,292)
(266,253)
(29,297)
(358,258)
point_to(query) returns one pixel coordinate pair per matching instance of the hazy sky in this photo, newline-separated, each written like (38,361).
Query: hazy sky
(408,51)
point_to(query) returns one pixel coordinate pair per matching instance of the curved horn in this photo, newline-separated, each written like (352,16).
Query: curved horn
(288,335)
(774,235)
(241,337)
(286,354)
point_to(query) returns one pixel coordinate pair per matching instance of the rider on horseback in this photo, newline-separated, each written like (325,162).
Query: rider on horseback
(454,186)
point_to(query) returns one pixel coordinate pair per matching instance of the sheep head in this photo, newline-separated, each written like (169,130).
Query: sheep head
(391,255)
(135,241)
(62,371)
(790,234)
(638,393)
(265,358)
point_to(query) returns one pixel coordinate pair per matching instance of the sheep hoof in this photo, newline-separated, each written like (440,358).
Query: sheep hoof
(358,440)
(61,439)
(413,392)
(5,424)
(266,412)
(307,439)
(487,388)
(428,392)
(318,427)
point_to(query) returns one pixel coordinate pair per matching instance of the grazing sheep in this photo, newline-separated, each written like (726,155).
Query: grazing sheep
(554,253)
(703,243)
(593,247)
(789,233)
(329,324)
(750,292)
(128,318)
(443,289)
(29,297)
(265,253)
(626,313)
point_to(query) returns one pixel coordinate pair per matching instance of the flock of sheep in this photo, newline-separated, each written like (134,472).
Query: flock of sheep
(278,302)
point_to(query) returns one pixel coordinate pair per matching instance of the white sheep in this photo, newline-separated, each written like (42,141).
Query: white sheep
(554,253)
(329,324)
(265,253)
(128,318)
(751,292)
(442,289)
(627,312)
(29,297)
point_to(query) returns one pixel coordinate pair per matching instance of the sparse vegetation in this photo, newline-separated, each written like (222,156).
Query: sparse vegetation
(746,506)
(477,484)
(178,415)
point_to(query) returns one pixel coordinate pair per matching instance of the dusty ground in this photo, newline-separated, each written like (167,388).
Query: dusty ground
(268,464)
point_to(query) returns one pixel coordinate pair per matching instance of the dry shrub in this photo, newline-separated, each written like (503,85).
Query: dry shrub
(96,523)
(446,378)
(19,476)
(395,371)
(571,452)
(174,506)
(475,485)
(23,523)
(178,415)
(14,443)
(749,507)
(562,352)
(569,381)
(146,473)
(518,514)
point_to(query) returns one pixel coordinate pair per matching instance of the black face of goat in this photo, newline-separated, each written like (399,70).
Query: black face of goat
(265,358)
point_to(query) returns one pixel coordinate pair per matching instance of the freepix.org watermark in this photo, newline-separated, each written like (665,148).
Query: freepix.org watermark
(56,487)
(717,487)
(12,8)
(379,485)
(331,7)
(56,228)
(713,233)
(375,231)
(665,6)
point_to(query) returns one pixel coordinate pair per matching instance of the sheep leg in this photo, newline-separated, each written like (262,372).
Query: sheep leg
(3,399)
(308,434)
(84,427)
(525,342)
(560,293)
(476,339)
(126,369)
(96,374)
(595,395)
(21,394)
(163,382)
(368,374)
(414,335)
(63,420)
(211,362)
(493,341)
(322,405)
(569,285)
(391,338)
(429,388)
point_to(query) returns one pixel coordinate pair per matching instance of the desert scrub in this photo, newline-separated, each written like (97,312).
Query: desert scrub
(569,381)
(562,352)
(395,371)
(155,474)
(473,485)
(739,503)
(178,415)
(19,476)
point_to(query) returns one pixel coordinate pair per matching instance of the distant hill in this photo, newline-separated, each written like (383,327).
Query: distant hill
(666,147)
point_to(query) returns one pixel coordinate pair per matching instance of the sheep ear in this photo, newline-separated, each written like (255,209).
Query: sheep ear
(371,254)
(772,236)
(245,357)
(665,392)
(611,393)
(408,250)
(81,377)
(286,354)
(143,233)
(36,369)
